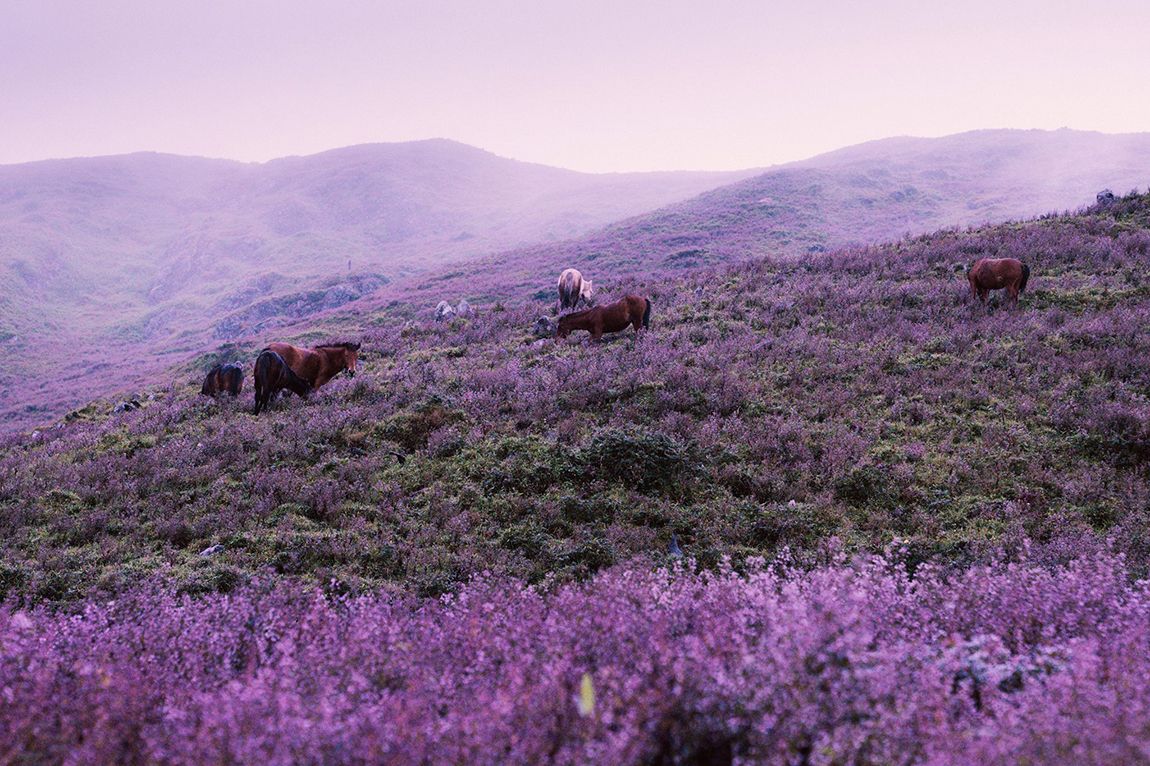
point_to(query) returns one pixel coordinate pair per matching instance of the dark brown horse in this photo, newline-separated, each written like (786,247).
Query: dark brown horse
(224,378)
(997,273)
(273,375)
(320,364)
(631,310)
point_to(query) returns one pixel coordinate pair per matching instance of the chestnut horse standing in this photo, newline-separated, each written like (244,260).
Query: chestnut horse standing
(224,378)
(996,273)
(631,310)
(320,364)
(273,375)
(572,289)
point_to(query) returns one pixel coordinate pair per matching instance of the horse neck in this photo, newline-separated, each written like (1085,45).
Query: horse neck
(334,362)
(584,313)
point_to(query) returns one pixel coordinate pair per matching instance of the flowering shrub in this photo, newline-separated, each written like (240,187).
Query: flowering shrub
(858,394)
(846,663)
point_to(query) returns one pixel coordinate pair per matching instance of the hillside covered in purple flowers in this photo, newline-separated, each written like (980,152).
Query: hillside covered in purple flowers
(118,268)
(956,500)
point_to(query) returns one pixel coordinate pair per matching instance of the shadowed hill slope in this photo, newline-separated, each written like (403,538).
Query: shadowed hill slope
(773,403)
(106,262)
(123,266)
(871,193)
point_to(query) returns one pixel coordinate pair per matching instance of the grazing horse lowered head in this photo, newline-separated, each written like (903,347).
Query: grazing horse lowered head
(572,289)
(633,310)
(224,378)
(320,364)
(997,273)
(273,375)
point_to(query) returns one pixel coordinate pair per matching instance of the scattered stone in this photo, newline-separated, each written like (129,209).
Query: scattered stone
(674,549)
(127,406)
(444,311)
(464,309)
(1104,197)
(212,550)
(544,328)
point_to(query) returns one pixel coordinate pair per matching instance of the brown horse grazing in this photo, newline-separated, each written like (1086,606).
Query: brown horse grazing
(631,310)
(273,375)
(224,378)
(996,273)
(320,364)
(572,289)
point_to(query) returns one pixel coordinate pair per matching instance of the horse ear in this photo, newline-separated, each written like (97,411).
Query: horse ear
(354,346)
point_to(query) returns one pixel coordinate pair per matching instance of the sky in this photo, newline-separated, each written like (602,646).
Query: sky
(592,85)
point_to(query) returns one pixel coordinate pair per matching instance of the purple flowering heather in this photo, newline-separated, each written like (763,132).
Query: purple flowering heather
(999,664)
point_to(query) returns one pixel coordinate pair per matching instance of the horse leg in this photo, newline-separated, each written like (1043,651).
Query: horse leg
(1012,291)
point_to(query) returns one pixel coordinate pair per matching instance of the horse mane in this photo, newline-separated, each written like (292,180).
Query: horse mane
(577,314)
(346,346)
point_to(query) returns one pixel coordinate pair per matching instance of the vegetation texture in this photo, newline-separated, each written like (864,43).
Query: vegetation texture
(1003,664)
(861,395)
(187,583)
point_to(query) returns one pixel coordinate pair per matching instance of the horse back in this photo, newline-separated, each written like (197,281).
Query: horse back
(570,287)
(306,364)
(232,378)
(273,373)
(211,385)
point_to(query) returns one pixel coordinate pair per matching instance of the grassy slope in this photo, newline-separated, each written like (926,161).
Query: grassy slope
(121,267)
(871,193)
(856,394)
(113,267)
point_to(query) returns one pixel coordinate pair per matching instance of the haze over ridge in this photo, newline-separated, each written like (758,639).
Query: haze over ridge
(154,258)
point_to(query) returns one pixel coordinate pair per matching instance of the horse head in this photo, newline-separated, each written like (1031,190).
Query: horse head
(585,291)
(350,357)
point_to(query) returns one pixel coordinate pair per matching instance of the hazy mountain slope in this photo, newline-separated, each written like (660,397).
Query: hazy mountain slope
(122,266)
(871,193)
(772,403)
(106,262)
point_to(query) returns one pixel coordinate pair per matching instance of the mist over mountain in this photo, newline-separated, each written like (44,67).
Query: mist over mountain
(870,193)
(115,267)
(109,258)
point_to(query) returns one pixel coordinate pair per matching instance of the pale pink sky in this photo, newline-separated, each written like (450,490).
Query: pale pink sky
(594,85)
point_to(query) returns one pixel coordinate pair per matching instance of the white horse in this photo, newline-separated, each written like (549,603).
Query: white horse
(572,289)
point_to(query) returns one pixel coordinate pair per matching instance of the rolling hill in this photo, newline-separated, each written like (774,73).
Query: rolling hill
(120,267)
(867,194)
(915,531)
(777,402)
(107,262)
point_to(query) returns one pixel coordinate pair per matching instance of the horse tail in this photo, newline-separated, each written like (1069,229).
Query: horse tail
(647,314)
(1025,277)
(298,385)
